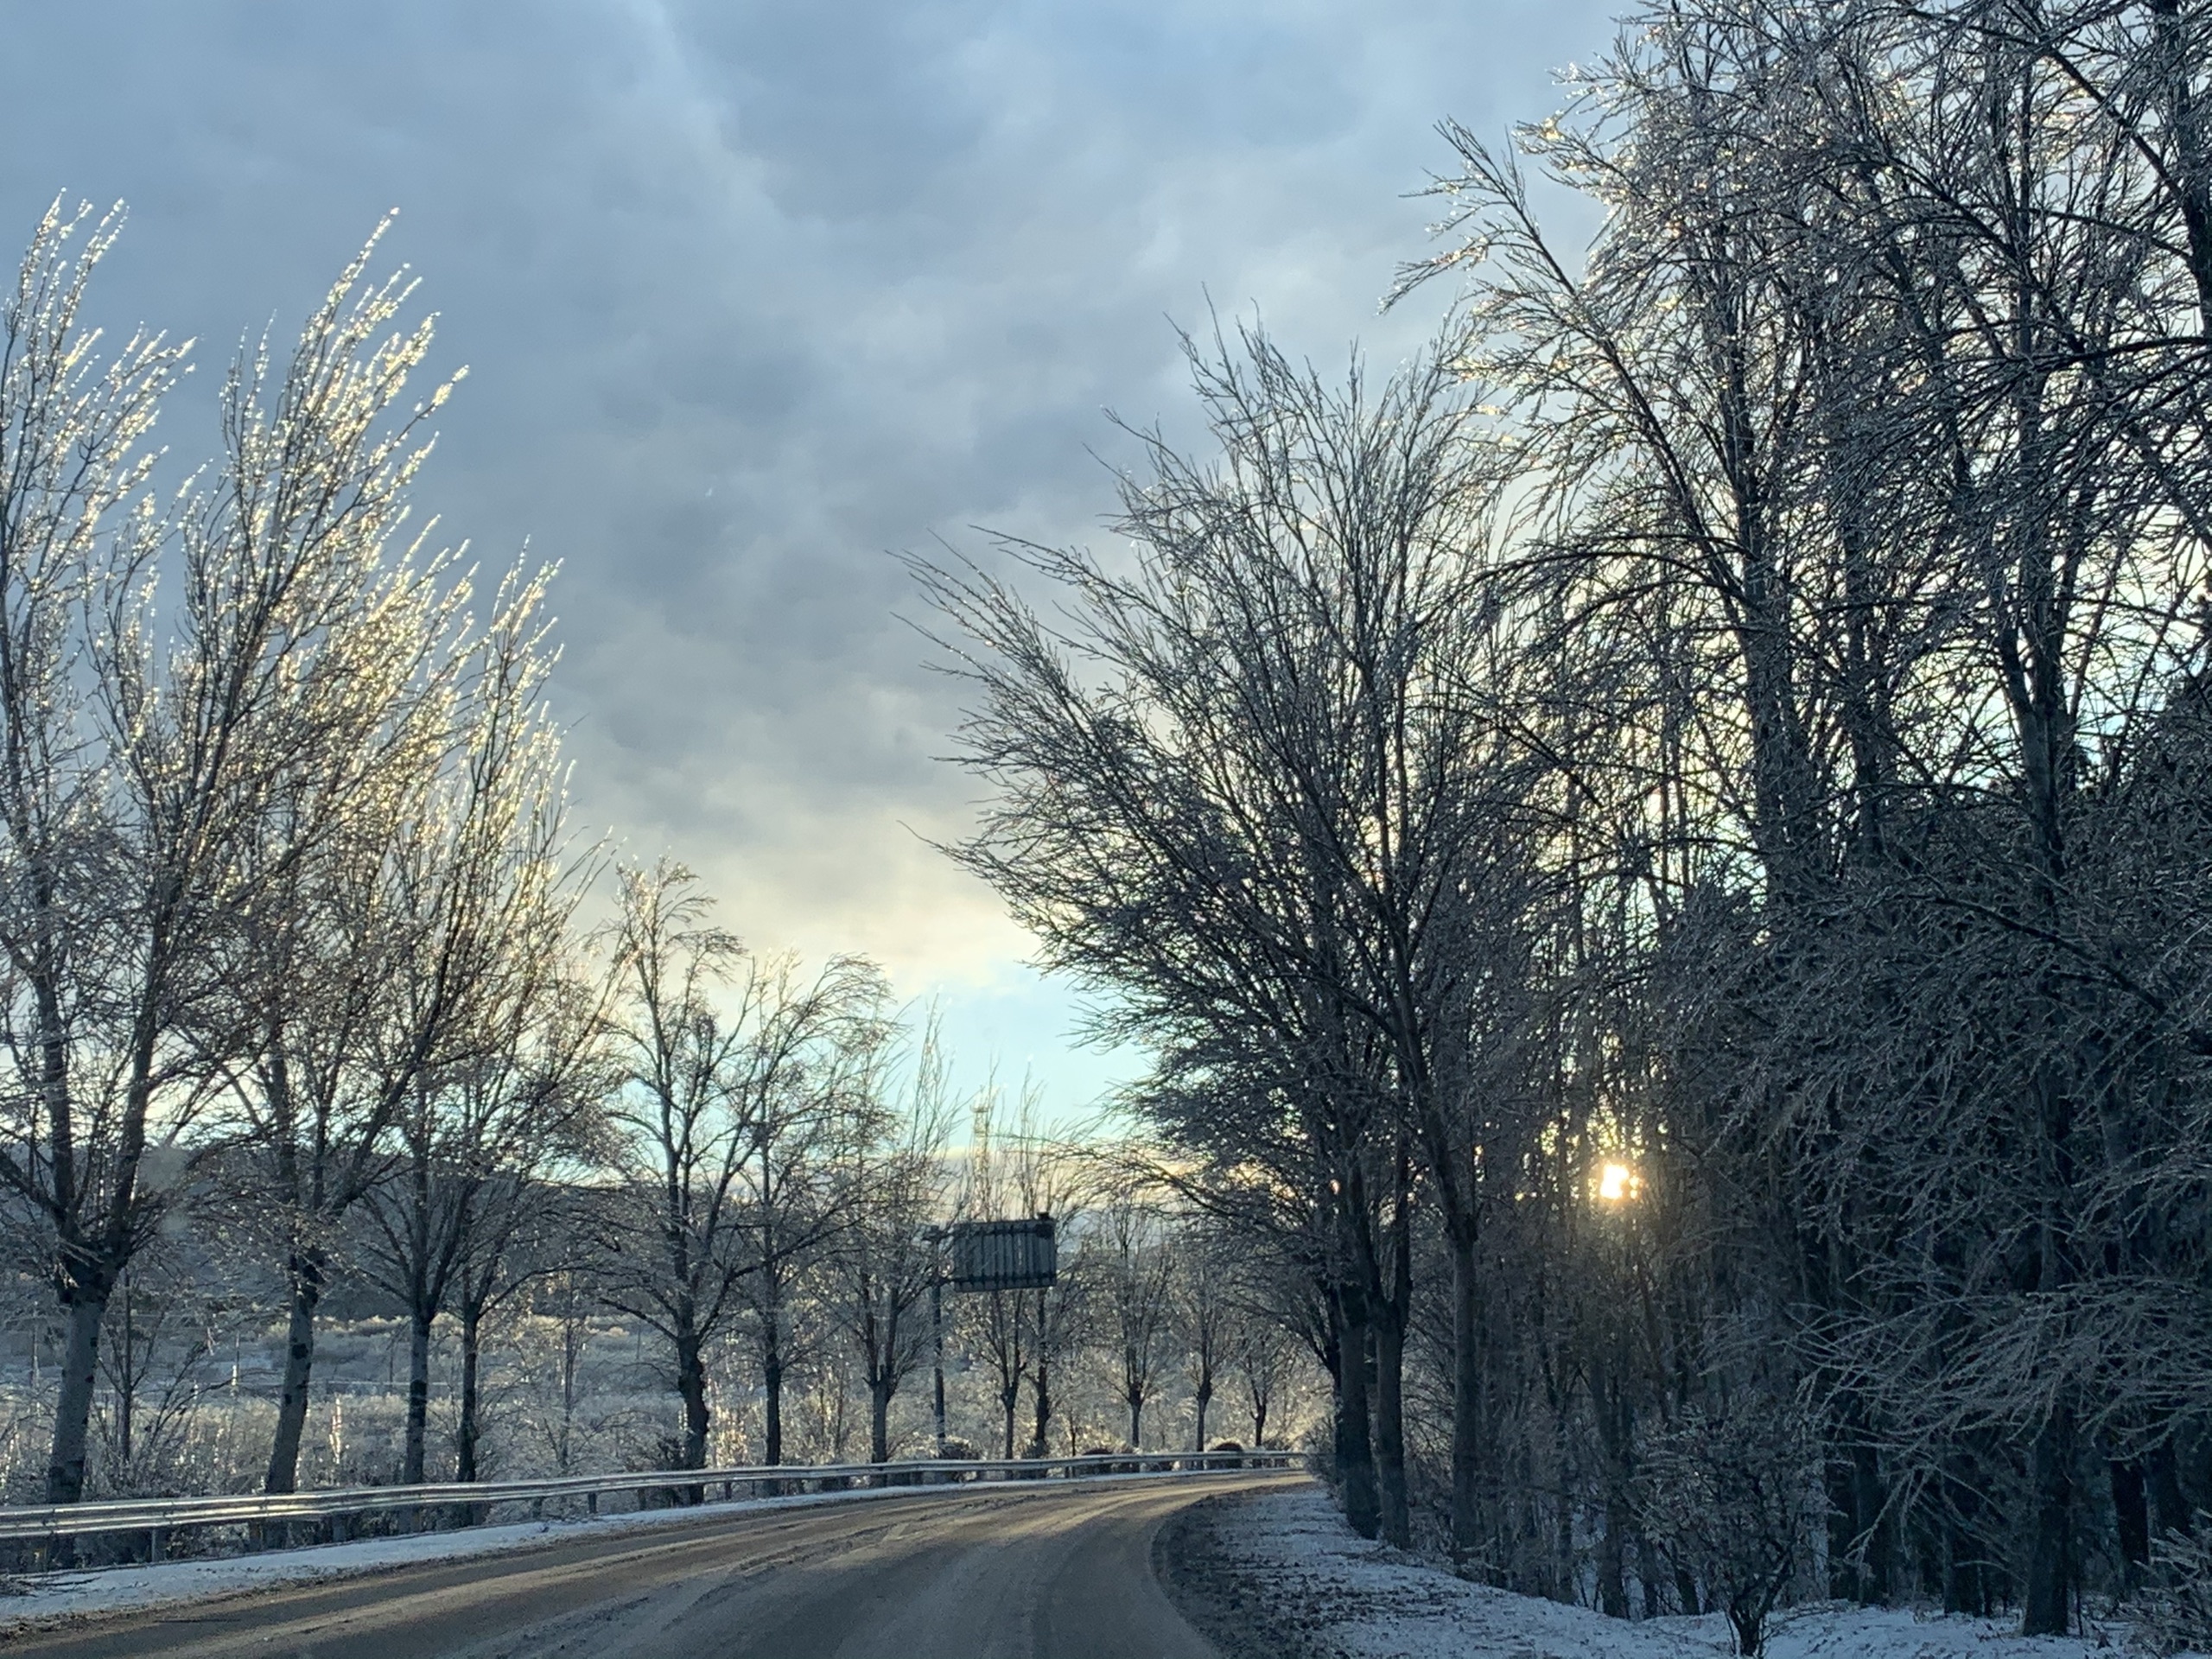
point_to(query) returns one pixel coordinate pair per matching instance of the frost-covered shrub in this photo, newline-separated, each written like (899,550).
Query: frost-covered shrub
(1733,1495)
(2176,1606)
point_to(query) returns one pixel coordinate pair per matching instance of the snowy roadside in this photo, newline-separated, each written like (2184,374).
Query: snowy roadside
(1285,1562)
(54,1598)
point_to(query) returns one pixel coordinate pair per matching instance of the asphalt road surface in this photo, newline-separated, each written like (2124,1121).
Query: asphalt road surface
(1005,1573)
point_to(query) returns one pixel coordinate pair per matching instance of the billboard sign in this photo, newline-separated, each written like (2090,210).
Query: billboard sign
(1003,1255)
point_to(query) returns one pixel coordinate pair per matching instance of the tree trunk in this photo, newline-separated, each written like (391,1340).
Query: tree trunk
(772,1389)
(1686,1591)
(571,1363)
(1466,1400)
(2170,1510)
(1259,1424)
(126,1384)
(1393,1307)
(2044,1606)
(1965,1590)
(691,1387)
(878,1420)
(1355,1450)
(1010,1399)
(1201,1399)
(1874,1516)
(72,1411)
(2131,1510)
(1966,1586)
(2190,164)
(1612,1564)
(1843,1527)
(1390,1425)
(465,1435)
(283,1473)
(1564,1568)
(1859,1534)
(1614,1428)
(1136,1421)
(936,1369)
(418,1396)
(1041,1389)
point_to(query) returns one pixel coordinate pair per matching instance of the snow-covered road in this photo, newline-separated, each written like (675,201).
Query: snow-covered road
(1062,1570)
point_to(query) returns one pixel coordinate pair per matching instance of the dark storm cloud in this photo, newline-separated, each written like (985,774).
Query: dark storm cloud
(752,294)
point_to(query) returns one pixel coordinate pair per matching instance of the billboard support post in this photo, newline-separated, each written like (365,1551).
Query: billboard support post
(937,1334)
(985,1256)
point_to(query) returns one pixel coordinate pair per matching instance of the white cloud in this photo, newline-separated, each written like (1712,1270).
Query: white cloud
(753,293)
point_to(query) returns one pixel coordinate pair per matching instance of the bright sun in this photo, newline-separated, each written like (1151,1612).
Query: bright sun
(1617,1183)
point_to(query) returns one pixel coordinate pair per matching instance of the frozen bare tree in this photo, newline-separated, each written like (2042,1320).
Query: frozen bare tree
(1205,1315)
(251,666)
(677,1253)
(475,1046)
(1136,1278)
(73,460)
(803,1074)
(1263,1353)
(532,1122)
(719,1052)
(896,1191)
(1263,787)
(414,945)
(1000,1329)
(1062,1315)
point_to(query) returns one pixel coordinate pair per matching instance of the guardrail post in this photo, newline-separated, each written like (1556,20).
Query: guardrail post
(591,1502)
(157,1541)
(338,1529)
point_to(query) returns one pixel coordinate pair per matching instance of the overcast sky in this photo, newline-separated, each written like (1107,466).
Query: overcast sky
(751,294)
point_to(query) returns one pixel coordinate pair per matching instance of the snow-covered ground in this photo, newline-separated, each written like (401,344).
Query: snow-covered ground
(53,1597)
(1366,1601)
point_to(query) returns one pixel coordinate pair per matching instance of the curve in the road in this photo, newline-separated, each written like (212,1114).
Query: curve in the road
(1003,1574)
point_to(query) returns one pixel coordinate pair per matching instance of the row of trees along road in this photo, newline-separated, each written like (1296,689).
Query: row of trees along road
(1662,850)
(296,972)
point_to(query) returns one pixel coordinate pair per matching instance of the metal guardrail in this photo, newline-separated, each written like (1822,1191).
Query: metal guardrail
(341,1506)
